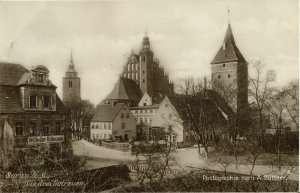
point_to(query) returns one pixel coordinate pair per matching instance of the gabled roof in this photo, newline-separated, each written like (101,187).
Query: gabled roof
(125,89)
(10,73)
(228,51)
(107,112)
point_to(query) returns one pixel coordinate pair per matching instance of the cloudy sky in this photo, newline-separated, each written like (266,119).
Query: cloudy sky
(185,36)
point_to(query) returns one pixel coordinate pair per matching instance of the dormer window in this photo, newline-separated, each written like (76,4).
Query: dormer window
(40,78)
(47,101)
(33,101)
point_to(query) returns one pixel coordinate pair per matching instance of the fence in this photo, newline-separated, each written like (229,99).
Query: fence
(144,168)
(119,146)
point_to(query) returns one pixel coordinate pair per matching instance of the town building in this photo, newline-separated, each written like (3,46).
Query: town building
(32,117)
(113,122)
(146,75)
(230,71)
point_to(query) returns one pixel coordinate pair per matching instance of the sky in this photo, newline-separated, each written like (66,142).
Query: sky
(185,36)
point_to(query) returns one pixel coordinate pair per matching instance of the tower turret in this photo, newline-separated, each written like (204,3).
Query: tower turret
(146,70)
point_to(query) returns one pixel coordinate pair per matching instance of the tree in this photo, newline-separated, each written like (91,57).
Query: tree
(198,113)
(260,91)
(80,115)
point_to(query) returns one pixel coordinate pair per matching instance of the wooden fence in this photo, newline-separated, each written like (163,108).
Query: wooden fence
(118,146)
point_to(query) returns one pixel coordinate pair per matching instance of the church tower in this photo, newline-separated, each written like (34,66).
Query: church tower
(146,67)
(230,68)
(71,84)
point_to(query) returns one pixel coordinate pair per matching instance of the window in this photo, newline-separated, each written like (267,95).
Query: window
(32,128)
(127,115)
(122,115)
(143,80)
(136,111)
(151,111)
(128,67)
(40,78)
(109,126)
(104,136)
(104,125)
(32,101)
(223,65)
(70,84)
(136,66)
(46,127)
(144,58)
(97,136)
(19,128)
(145,104)
(228,75)
(136,76)
(93,126)
(47,101)
(58,127)
(219,76)
(123,125)
(146,120)
(94,136)
(225,55)
(109,136)
(97,126)
(145,111)
(143,71)
(132,67)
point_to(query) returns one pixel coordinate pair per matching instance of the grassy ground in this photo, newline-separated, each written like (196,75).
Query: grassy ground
(263,159)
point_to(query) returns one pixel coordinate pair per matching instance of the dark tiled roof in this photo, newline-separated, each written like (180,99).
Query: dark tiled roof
(10,74)
(10,99)
(107,113)
(60,107)
(228,51)
(155,106)
(125,89)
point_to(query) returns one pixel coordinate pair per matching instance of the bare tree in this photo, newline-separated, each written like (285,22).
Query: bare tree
(260,91)
(80,115)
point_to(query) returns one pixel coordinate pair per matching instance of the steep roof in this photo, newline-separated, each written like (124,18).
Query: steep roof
(10,73)
(228,51)
(125,89)
(10,99)
(107,112)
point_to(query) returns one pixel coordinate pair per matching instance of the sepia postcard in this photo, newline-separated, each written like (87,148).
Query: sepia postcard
(149,96)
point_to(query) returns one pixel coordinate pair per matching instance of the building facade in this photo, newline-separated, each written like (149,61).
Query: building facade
(147,73)
(113,121)
(32,117)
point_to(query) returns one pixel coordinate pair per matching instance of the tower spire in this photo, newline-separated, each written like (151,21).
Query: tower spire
(71,58)
(228,12)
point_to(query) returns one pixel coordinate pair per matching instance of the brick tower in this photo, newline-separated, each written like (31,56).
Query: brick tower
(71,84)
(229,67)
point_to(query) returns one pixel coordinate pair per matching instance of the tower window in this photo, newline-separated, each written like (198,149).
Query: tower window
(228,75)
(219,76)
(70,84)
(223,65)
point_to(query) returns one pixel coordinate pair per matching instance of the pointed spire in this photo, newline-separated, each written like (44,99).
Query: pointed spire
(71,59)
(228,16)
(229,51)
